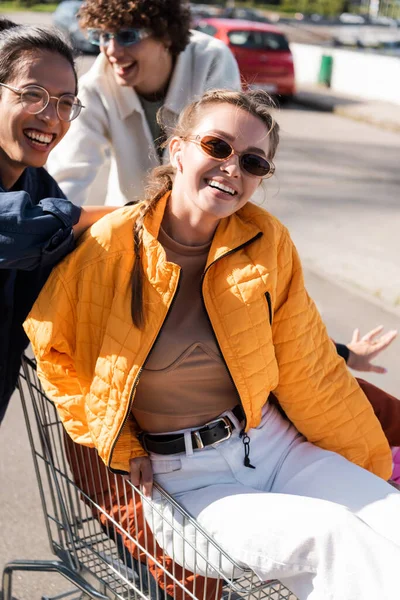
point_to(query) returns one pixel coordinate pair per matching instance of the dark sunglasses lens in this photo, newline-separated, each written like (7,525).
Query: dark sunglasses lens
(94,36)
(127,37)
(255,165)
(216,147)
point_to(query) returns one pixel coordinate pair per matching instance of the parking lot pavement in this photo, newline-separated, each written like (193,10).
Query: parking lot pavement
(29,17)
(382,114)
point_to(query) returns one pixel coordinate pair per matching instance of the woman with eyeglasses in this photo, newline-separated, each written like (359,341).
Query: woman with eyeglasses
(38,225)
(203,313)
(149,60)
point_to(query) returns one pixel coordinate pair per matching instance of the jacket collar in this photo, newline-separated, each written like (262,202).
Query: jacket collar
(232,232)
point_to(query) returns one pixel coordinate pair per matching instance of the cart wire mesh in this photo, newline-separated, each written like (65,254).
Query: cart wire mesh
(97,530)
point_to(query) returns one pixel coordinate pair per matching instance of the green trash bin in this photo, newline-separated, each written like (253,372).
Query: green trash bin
(325,70)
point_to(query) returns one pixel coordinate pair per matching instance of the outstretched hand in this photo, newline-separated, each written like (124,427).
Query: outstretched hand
(363,350)
(142,474)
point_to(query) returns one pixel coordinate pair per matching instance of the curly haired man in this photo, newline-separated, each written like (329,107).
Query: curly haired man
(150,59)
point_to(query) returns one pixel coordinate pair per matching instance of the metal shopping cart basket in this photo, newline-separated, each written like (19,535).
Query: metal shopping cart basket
(97,531)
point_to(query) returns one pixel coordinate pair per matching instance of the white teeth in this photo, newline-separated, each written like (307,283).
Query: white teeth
(222,187)
(44,138)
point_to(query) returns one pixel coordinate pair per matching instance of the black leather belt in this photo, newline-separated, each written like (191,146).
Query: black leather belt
(213,432)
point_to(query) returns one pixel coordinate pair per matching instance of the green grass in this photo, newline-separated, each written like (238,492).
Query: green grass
(15,6)
(266,8)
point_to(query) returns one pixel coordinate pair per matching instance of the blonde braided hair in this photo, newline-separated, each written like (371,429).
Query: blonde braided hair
(162,177)
(255,102)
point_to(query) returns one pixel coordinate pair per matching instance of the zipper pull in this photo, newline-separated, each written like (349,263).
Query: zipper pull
(246,444)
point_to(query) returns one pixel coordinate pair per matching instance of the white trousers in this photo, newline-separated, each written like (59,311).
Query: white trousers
(324,527)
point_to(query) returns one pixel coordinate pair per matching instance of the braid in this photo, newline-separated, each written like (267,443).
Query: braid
(162,182)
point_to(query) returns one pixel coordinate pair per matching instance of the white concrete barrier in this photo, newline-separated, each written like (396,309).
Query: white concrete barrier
(368,76)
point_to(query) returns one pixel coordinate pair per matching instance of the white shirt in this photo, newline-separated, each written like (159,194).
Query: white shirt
(113,121)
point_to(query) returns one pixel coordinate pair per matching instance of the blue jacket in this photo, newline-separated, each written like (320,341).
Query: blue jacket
(35,233)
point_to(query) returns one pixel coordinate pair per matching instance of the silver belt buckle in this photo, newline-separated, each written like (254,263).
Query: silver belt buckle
(228,427)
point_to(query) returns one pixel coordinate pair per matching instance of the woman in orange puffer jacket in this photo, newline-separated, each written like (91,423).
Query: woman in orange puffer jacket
(160,348)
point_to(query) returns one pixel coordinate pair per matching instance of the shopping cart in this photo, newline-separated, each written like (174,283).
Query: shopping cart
(97,532)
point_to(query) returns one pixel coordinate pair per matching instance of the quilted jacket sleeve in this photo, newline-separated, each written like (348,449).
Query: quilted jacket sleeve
(65,368)
(316,390)
(51,327)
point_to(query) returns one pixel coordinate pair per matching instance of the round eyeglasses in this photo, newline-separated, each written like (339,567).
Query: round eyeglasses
(220,150)
(35,99)
(123,37)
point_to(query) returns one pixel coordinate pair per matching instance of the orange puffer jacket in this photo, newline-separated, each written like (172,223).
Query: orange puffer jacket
(90,355)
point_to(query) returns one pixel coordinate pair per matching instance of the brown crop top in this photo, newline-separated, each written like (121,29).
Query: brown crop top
(185,382)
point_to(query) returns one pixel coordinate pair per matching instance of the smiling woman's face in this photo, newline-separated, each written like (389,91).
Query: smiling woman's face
(26,140)
(216,189)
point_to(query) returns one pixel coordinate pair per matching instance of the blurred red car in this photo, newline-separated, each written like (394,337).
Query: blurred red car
(261,50)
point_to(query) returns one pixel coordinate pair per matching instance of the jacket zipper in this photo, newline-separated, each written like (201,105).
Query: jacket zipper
(209,320)
(269,302)
(135,383)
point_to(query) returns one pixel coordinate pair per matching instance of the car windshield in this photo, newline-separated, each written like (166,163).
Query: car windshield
(258,40)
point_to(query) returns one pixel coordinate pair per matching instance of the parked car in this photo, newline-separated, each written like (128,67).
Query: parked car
(383,21)
(352,19)
(65,18)
(261,50)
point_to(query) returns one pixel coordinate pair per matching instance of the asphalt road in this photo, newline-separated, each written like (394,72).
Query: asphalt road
(337,189)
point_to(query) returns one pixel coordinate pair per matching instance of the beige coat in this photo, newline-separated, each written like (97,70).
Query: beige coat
(113,122)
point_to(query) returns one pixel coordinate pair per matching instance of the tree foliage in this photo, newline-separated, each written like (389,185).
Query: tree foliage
(328,8)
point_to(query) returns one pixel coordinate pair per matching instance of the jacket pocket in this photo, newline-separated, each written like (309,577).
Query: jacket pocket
(269,302)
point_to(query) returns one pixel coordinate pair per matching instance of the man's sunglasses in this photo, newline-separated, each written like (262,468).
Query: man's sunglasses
(123,37)
(219,149)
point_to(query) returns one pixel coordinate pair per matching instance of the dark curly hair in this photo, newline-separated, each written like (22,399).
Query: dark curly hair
(168,20)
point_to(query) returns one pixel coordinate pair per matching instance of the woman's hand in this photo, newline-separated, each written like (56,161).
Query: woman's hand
(142,474)
(363,350)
